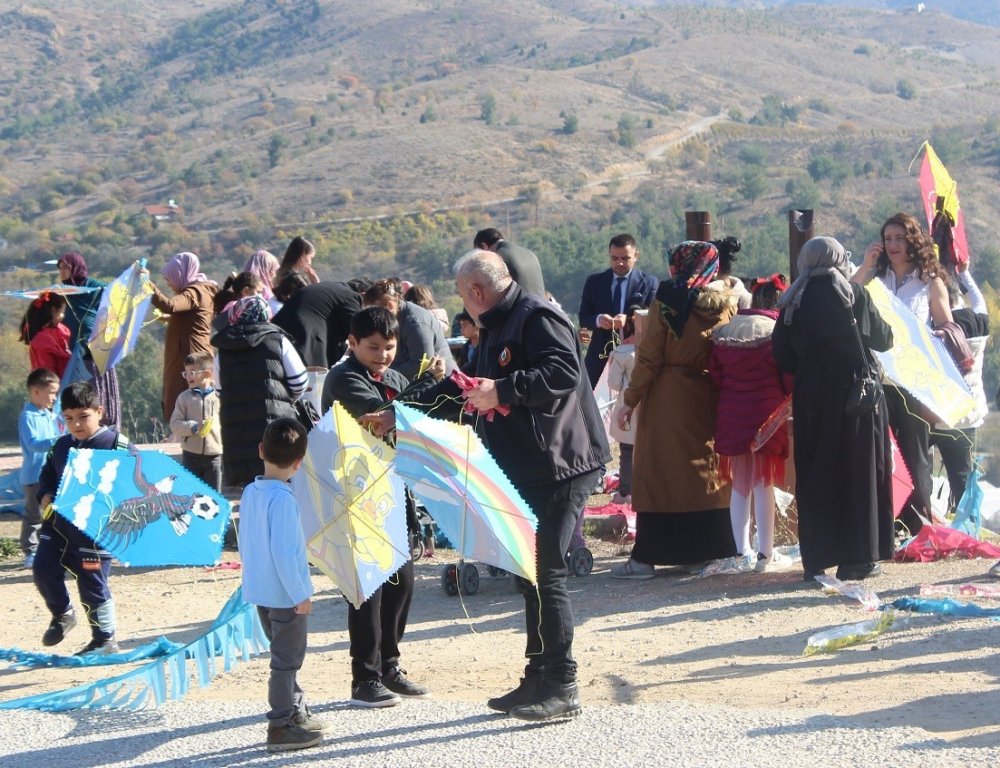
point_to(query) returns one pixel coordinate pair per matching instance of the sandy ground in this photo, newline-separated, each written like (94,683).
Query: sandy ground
(735,640)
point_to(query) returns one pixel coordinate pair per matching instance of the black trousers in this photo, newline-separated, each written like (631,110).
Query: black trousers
(913,438)
(548,611)
(207,468)
(955,446)
(377,627)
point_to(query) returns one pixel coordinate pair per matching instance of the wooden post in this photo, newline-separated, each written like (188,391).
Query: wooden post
(698,225)
(800,229)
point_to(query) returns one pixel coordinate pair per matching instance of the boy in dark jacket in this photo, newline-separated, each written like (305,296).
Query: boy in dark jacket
(64,547)
(364,383)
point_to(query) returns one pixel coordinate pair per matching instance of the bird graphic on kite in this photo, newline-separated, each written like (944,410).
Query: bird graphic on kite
(142,507)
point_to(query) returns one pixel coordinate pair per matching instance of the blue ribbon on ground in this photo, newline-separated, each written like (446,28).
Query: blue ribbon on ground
(945,607)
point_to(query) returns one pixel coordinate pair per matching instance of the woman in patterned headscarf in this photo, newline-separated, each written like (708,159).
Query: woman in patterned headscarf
(81,313)
(681,504)
(259,376)
(189,325)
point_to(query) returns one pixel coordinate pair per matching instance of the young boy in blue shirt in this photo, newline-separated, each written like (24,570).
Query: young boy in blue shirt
(364,383)
(64,547)
(37,431)
(276,580)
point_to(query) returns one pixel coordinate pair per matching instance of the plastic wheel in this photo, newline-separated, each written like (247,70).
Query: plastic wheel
(581,561)
(416,548)
(469,579)
(449,580)
(495,572)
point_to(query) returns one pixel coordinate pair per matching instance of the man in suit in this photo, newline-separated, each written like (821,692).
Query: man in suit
(607,296)
(521,263)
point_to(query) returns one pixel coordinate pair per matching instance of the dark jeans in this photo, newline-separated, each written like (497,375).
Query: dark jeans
(376,628)
(60,551)
(956,455)
(287,632)
(625,469)
(548,611)
(913,438)
(208,468)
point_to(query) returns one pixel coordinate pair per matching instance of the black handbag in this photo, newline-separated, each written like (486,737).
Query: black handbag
(862,397)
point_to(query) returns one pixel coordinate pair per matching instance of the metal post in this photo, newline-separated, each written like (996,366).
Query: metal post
(698,225)
(800,229)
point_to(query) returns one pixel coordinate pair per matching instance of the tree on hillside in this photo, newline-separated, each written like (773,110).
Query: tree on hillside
(571,123)
(753,183)
(488,109)
(626,131)
(275,148)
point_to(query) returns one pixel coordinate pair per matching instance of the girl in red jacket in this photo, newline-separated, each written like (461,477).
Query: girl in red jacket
(43,331)
(751,387)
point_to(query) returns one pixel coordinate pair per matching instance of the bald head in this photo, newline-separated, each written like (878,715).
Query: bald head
(481,278)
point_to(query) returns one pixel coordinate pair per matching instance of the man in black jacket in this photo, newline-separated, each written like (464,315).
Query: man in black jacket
(318,318)
(521,263)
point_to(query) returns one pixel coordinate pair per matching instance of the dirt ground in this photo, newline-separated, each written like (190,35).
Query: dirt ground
(735,639)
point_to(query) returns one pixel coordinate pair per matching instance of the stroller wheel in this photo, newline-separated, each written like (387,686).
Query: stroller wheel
(449,580)
(495,572)
(581,561)
(469,579)
(416,547)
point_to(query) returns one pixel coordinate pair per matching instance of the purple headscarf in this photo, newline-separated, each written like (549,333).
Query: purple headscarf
(183,270)
(77,268)
(264,264)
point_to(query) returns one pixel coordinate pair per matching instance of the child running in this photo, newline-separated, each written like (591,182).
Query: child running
(364,383)
(276,580)
(37,430)
(195,421)
(751,387)
(64,547)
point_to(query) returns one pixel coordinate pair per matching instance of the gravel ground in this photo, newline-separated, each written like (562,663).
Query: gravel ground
(435,733)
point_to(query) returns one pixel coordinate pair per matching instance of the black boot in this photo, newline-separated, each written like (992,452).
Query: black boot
(525,693)
(555,701)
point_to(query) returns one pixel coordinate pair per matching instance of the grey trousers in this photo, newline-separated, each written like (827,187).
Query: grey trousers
(31,521)
(287,632)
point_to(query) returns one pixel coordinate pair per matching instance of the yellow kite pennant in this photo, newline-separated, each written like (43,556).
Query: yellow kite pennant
(351,507)
(120,316)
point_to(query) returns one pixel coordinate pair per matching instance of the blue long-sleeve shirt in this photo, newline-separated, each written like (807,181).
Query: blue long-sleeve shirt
(37,430)
(272,546)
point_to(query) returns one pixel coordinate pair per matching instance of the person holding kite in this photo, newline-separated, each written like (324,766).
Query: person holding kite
(80,317)
(905,261)
(843,474)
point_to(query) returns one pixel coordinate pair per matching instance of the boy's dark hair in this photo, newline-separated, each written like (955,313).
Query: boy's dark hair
(464,316)
(624,240)
(41,377)
(372,320)
(487,238)
(80,395)
(284,442)
(245,280)
(202,359)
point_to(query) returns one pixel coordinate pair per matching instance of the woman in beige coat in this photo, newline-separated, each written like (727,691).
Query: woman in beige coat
(189,322)
(682,506)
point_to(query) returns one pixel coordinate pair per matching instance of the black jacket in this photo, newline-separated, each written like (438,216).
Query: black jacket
(523,266)
(350,384)
(253,393)
(318,320)
(554,430)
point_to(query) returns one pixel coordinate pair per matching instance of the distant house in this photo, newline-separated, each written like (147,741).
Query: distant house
(167,212)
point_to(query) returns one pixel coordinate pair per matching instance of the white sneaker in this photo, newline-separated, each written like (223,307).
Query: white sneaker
(775,562)
(633,569)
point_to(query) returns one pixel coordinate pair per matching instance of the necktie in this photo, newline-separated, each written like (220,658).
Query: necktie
(616,296)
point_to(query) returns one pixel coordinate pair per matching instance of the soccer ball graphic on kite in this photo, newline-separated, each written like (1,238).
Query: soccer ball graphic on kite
(204,507)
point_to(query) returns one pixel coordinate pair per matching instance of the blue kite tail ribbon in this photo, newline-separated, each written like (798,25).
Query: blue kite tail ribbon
(235,634)
(21,659)
(944,607)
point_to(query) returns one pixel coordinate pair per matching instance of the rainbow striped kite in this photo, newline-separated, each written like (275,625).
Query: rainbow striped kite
(449,469)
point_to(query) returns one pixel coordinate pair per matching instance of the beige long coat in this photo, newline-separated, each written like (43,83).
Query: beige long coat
(675,467)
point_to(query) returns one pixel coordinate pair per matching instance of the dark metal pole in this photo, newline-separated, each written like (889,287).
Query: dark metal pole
(800,229)
(698,225)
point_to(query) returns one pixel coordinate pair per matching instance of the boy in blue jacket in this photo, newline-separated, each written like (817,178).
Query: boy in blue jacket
(276,580)
(64,547)
(37,431)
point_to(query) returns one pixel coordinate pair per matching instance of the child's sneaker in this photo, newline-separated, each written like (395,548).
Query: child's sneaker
(100,646)
(775,562)
(59,627)
(395,680)
(304,719)
(371,693)
(284,738)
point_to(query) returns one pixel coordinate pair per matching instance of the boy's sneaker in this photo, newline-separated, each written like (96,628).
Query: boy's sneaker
(304,719)
(102,647)
(58,628)
(371,693)
(775,562)
(396,681)
(554,701)
(525,693)
(284,738)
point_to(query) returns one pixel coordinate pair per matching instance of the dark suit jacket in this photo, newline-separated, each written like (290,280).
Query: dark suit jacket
(640,288)
(318,318)
(523,267)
